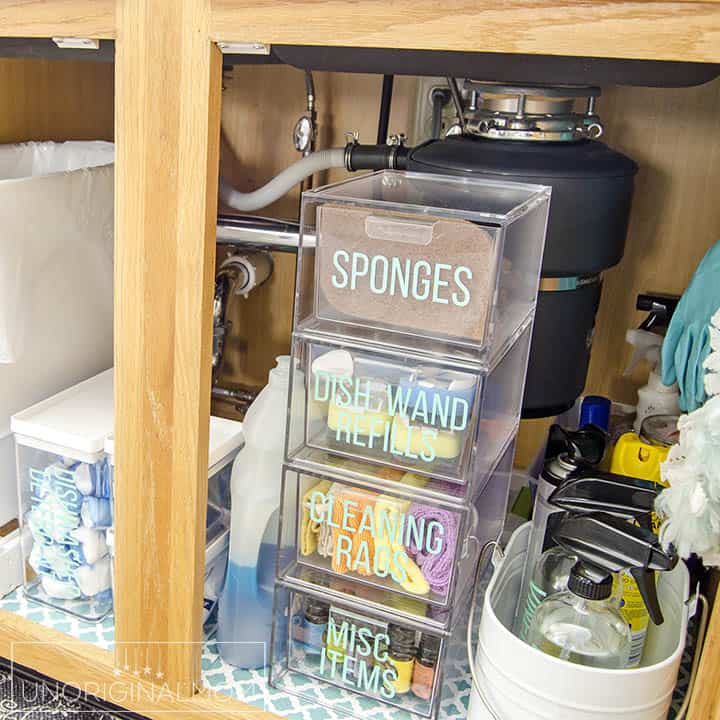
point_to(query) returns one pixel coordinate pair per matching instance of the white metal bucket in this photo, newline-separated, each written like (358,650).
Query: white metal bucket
(520,682)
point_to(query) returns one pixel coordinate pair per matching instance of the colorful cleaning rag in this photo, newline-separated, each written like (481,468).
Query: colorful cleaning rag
(310,530)
(437,568)
(392,557)
(359,540)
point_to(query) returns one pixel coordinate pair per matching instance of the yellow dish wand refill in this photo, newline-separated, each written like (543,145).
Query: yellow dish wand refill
(401,412)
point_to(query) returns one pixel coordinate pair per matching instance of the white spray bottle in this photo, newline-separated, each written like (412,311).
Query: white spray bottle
(654,398)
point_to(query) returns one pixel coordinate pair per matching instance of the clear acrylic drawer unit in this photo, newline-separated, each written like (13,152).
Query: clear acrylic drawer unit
(372,659)
(403,410)
(388,544)
(66,497)
(394,540)
(398,258)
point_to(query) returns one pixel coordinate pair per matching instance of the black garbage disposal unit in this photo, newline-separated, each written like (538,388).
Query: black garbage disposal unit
(535,134)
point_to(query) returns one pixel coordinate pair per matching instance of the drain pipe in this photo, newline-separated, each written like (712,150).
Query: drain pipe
(351,157)
(385,102)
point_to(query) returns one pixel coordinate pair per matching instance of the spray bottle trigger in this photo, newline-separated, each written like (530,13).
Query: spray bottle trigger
(645,580)
(595,490)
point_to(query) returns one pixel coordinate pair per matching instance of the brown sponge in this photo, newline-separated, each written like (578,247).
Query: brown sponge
(441,241)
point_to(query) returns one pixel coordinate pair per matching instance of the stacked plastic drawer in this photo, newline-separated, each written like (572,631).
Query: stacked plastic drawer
(415,302)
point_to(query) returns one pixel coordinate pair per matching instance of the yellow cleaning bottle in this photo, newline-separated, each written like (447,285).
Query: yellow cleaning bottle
(640,456)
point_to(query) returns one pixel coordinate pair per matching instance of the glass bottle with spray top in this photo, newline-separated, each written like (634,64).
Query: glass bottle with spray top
(565,485)
(580,624)
(630,553)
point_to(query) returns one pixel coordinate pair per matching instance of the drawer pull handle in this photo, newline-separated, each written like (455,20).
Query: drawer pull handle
(391,230)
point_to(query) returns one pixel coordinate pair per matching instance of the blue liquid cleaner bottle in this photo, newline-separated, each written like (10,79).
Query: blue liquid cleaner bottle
(246,602)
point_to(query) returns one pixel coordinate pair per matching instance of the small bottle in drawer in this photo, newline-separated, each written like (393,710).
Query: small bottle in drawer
(395,258)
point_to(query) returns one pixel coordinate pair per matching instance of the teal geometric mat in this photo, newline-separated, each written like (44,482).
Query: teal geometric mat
(251,686)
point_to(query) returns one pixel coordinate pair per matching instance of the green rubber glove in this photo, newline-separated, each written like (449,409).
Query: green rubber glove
(687,342)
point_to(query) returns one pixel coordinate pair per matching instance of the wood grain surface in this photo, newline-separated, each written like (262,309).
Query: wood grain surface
(705,702)
(167,123)
(673,135)
(599,28)
(51,100)
(58,18)
(660,29)
(92,670)
(167,134)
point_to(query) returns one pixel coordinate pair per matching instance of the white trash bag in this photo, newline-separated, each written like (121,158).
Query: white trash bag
(56,273)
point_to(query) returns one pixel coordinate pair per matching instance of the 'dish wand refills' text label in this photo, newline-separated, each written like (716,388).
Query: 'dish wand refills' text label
(401,421)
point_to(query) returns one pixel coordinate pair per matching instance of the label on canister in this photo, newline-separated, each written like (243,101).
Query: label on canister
(535,596)
(633,610)
(636,458)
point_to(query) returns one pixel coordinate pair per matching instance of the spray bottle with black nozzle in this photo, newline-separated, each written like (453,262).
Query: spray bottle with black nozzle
(619,495)
(567,485)
(568,453)
(616,545)
(654,398)
(587,444)
(585,447)
(612,545)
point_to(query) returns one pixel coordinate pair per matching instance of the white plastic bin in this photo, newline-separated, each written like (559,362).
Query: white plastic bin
(65,499)
(522,683)
(56,271)
(226,439)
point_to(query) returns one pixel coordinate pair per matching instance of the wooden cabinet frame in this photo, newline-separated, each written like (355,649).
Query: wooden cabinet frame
(167,131)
